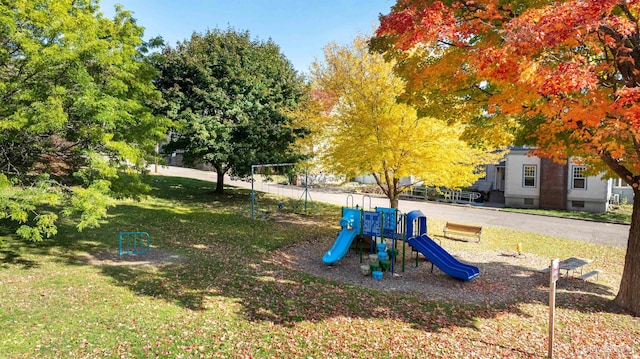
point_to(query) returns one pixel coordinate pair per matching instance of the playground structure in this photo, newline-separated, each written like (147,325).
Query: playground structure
(388,223)
(254,201)
(134,243)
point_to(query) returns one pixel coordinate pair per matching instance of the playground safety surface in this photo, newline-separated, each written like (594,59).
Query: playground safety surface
(504,278)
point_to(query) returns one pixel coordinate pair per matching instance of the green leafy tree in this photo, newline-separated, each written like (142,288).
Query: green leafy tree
(76,121)
(369,132)
(230,96)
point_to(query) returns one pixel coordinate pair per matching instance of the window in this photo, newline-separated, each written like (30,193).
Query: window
(577,204)
(578,180)
(529,176)
(619,182)
(528,201)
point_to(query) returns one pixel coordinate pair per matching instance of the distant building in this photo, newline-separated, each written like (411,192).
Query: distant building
(526,181)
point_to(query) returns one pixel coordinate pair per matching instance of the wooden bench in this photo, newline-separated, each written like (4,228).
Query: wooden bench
(462,231)
(590,274)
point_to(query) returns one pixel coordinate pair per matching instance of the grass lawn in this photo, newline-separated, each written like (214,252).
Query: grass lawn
(211,290)
(616,214)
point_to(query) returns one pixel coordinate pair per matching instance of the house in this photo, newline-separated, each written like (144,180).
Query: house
(526,181)
(621,192)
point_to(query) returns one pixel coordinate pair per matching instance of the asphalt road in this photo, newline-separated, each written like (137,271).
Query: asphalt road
(581,230)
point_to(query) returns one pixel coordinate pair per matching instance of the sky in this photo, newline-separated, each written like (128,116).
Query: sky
(301,28)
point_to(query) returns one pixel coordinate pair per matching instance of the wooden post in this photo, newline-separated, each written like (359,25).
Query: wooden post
(554,272)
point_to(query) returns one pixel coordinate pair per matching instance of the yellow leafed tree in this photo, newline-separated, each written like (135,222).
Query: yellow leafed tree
(367,131)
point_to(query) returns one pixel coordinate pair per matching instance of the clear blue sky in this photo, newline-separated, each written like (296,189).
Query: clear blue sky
(301,28)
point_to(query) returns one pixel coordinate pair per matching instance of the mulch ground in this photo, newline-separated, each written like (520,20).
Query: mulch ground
(504,277)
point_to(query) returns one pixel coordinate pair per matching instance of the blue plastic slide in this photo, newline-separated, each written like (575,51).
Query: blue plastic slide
(341,246)
(442,259)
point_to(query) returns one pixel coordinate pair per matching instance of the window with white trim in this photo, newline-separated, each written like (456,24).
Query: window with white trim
(619,182)
(578,179)
(529,176)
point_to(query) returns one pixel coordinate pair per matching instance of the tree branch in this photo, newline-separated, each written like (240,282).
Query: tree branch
(619,169)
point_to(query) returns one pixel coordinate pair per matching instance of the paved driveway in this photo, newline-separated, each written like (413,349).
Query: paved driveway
(587,231)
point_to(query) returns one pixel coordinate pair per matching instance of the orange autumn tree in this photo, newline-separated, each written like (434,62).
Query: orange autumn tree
(437,64)
(567,72)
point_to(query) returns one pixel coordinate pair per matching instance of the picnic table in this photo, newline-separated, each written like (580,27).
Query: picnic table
(572,266)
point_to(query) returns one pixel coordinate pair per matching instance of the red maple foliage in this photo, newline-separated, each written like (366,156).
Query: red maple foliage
(569,70)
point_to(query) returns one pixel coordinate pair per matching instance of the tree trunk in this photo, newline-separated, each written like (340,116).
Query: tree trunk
(629,294)
(393,202)
(393,193)
(220,182)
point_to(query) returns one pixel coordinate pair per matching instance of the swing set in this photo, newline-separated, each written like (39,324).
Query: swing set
(254,201)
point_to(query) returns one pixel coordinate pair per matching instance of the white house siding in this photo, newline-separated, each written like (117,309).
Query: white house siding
(593,198)
(488,182)
(407,181)
(515,193)
(367,179)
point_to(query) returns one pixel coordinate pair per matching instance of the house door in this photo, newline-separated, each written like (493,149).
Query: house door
(500,176)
